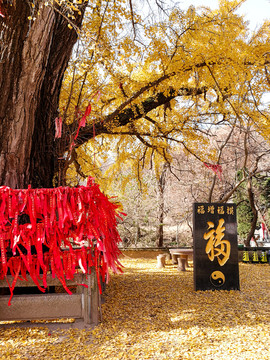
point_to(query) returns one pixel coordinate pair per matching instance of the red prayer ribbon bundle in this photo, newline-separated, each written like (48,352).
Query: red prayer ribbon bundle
(216,168)
(61,230)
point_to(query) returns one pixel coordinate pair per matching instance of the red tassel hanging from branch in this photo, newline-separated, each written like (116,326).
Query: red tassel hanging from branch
(216,168)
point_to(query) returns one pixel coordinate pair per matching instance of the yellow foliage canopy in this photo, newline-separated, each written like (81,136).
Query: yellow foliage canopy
(157,86)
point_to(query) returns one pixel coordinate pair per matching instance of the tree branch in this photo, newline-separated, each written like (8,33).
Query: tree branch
(123,116)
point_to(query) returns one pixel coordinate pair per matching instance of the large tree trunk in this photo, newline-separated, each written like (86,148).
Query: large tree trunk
(33,58)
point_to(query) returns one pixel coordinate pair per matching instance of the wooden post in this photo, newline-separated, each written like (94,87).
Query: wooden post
(94,298)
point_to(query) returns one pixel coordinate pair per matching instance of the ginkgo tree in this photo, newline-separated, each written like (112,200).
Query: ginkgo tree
(135,86)
(159,86)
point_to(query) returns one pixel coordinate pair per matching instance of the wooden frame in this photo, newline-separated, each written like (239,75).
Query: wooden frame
(84,304)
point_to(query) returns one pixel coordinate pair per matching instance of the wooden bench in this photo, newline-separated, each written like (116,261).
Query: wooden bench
(180,257)
(83,304)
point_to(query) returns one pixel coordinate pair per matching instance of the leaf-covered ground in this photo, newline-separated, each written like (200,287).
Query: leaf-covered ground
(156,314)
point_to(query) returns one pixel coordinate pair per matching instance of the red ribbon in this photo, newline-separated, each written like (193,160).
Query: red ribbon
(58,128)
(216,168)
(41,227)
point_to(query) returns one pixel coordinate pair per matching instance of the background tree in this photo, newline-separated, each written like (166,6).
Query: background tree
(244,211)
(263,202)
(188,180)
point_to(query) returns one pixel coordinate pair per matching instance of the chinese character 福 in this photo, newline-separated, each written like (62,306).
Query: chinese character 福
(201,209)
(220,210)
(216,246)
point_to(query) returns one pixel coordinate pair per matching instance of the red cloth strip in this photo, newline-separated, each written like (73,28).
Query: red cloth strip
(62,230)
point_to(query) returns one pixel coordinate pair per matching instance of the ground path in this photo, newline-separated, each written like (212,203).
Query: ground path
(152,313)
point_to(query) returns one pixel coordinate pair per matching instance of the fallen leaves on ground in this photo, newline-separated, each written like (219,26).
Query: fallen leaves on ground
(152,313)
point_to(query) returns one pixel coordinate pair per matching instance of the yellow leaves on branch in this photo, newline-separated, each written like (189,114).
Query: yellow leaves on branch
(70,9)
(213,49)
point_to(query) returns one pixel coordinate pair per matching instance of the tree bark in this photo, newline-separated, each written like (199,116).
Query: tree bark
(161,214)
(134,112)
(160,236)
(33,58)
(254,211)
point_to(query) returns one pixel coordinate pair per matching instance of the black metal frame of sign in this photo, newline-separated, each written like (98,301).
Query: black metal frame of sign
(215,250)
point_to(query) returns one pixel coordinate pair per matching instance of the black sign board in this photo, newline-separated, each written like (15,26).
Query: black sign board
(215,251)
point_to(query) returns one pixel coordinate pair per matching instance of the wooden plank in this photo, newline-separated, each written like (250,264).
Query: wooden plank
(85,304)
(78,279)
(41,307)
